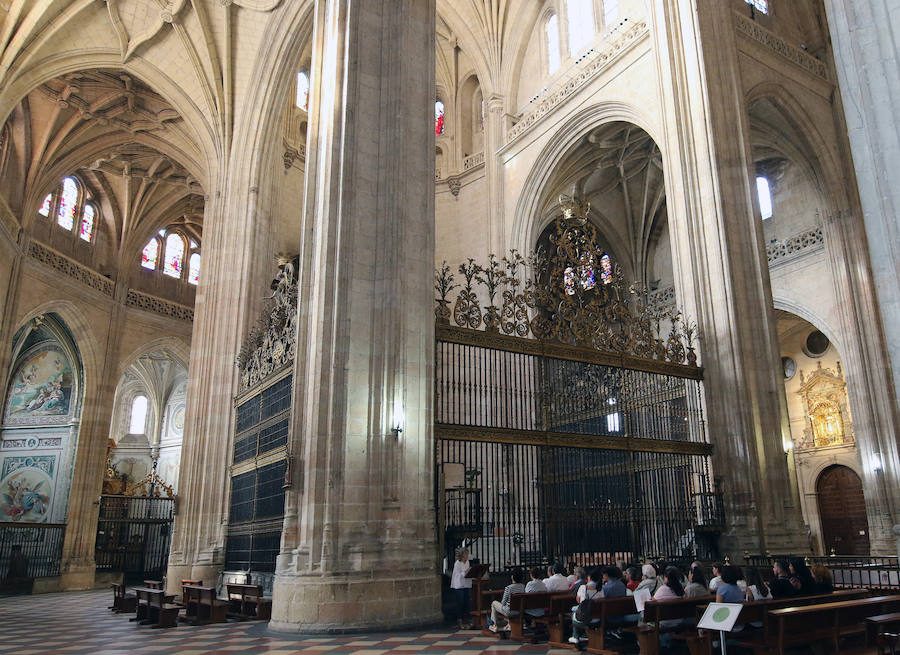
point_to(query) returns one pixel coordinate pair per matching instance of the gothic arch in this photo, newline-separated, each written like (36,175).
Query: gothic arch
(179,350)
(780,302)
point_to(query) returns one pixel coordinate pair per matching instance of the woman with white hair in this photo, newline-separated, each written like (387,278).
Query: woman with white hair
(649,580)
(462,586)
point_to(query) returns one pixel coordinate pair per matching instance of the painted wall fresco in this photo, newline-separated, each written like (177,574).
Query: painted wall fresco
(41,388)
(26,488)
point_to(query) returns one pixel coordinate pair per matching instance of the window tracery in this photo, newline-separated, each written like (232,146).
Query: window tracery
(87,223)
(150,254)
(168,252)
(174,259)
(69,206)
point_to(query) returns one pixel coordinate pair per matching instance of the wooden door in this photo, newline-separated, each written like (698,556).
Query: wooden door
(842,510)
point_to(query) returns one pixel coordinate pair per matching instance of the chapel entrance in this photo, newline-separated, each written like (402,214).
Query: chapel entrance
(842,509)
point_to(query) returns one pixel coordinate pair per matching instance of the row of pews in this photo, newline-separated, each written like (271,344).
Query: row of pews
(152,606)
(769,626)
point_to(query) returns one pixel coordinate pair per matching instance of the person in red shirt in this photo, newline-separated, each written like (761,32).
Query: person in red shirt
(633,575)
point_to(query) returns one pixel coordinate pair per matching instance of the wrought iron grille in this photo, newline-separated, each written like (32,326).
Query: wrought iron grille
(877,573)
(133,535)
(40,542)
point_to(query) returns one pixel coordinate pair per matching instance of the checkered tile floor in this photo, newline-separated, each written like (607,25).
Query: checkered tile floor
(79,623)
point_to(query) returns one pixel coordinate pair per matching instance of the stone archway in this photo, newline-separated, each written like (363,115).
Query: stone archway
(842,510)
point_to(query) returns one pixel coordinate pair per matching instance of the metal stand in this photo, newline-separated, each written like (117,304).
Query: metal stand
(722,641)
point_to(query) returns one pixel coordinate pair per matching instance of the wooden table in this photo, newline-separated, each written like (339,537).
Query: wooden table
(155,608)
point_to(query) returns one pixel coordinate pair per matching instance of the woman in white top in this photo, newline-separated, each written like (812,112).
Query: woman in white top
(462,586)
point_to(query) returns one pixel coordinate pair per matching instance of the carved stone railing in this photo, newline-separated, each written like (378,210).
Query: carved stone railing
(595,64)
(798,56)
(71,268)
(473,161)
(158,305)
(661,298)
(781,252)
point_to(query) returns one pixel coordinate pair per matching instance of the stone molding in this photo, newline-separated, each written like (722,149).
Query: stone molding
(782,252)
(772,41)
(158,305)
(546,102)
(71,268)
(473,161)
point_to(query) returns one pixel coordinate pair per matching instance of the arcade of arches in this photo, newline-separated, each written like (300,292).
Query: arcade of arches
(161,163)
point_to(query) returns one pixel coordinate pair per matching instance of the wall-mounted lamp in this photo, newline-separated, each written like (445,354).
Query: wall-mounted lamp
(788,445)
(397,419)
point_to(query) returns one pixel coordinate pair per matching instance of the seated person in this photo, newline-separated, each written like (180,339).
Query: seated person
(757,589)
(728,590)
(500,611)
(649,581)
(717,576)
(580,579)
(670,590)
(613,587)
(588,591)
(557,581)
(822,580)
(801,578)
(535,586)
(781,586)
(633,575)
(696,586)
(571,576)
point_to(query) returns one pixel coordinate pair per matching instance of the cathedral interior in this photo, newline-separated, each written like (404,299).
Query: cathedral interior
(309,295)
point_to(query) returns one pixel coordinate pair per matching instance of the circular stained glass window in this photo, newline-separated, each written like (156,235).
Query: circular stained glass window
(816,344)
(789,366)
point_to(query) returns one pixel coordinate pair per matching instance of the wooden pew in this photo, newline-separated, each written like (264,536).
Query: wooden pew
(557,617)
(153,584)
(202,606)
(876,625)
(611,612)
(668,610)
(805,625)
(155,608)
(123,601)
(246,601)
(519,603)
(483,603)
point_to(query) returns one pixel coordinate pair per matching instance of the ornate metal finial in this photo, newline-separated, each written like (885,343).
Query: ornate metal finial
(727,560)
(575,212)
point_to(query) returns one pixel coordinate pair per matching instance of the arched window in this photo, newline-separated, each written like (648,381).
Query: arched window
(87,223)
(68,203)
(588,273)
(46,205)
(150,254)
(438,117)
(303,90)
(174,259)
(605,269)
(760,5)
(138,415)
(764,191)
(194,268)
(581,24)
(551,30)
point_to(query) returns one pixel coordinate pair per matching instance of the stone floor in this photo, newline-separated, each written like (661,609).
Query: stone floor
(79,623)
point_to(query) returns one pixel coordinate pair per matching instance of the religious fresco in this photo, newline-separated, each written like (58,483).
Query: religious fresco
(41,387)
(26,488)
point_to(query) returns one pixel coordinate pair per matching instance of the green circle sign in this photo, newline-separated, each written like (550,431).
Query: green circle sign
(721,614)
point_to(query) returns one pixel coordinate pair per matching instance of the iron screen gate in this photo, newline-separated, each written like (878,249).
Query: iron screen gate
(133,536)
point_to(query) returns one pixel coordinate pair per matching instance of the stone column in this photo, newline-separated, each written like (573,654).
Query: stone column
(721,271)
(365,554)
(494,139)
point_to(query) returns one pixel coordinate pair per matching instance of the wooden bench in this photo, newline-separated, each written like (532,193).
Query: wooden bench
(202,606)
(192,583)
(879,623)
(557,617)
(246,601)
(483,604)
(153,584)
(611,612)
(123,601)
(805,625)
(656,612)
(518,604)
(154,608)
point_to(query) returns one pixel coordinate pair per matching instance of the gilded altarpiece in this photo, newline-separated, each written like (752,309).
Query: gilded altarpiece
(828,422)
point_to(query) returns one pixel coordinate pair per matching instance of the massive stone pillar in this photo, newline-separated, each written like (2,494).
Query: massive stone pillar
(721,270)
(360,553)
(868,70)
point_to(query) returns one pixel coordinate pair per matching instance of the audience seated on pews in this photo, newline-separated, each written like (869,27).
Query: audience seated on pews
(822,580)
(649,581)
(633,578)
(801,578)
(581,612)
(671,589)
(781,586)
(580,579)
(570,573)
(717,576)
(757,589)
(535,586)
(728,590)
(696,585)
(462,588)
(557,581)
(613,587)
(500,611)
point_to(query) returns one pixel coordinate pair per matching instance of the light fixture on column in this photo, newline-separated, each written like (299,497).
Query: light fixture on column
(397,419)
(877,463)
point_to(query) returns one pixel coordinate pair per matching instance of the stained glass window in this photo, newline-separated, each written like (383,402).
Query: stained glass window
(761,5)
(581,24)
(194,268)
(138,415)
(569,281)
(87,223)
(551,28)
(150,254)
(68,200)
(605,269)
(438,117)
(764,191)
(303,90)
(45,207)
(587,278)
(174,260)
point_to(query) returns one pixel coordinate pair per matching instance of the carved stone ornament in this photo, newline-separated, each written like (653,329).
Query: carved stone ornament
(271,342)
(824,394)
(138,21)
(454,185)
(568,295)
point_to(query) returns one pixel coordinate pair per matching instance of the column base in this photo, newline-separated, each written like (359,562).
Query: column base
(208,573)
(353,602)
(77,577)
